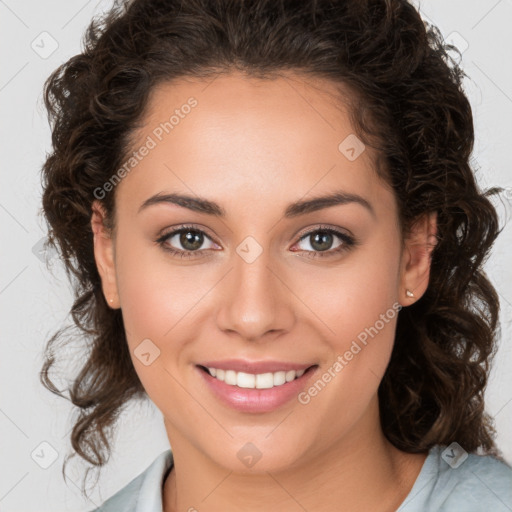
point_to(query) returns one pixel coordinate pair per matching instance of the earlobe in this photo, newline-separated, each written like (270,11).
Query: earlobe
(416,258)
(104,254)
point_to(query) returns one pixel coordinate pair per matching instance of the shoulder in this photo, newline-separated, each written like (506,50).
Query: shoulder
(452,479)
(144,492)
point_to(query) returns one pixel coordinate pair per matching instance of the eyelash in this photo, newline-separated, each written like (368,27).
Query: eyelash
(348,241)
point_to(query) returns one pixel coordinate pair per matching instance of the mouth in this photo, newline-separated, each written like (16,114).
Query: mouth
(265,380)
(254,392)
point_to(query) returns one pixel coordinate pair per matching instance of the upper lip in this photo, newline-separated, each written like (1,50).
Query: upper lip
(255,367)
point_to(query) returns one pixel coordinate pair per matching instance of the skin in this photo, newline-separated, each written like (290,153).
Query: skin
(254,146)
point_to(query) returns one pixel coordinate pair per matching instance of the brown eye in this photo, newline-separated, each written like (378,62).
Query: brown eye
(184,241)
(321,240)
(191,240)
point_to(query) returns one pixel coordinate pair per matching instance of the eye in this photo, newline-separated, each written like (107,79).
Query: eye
(192,241)
(321,240)
(189,237)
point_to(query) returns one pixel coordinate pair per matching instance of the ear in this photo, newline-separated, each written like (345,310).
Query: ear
(416,258)
(104,254)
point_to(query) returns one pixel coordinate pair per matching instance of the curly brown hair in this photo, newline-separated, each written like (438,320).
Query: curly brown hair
(407,102)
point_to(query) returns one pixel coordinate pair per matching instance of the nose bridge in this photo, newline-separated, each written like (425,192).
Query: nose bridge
(254,302)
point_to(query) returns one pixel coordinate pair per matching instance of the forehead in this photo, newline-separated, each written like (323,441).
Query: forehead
(234,103)
(233,135)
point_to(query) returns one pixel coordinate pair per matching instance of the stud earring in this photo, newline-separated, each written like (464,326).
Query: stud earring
(409,293)
(111,300)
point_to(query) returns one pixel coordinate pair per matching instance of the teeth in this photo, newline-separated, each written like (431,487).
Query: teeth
(258,381)
(290,375)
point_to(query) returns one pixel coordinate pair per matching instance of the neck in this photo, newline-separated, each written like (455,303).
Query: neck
(360,472)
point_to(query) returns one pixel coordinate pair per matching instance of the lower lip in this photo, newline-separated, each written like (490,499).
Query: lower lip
(256,400)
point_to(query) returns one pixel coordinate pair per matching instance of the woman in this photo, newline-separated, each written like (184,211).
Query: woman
(277,237)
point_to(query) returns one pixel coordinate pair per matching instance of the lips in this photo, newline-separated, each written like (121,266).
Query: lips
(255,395)
(255,367)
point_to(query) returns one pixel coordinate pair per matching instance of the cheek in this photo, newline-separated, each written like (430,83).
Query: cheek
(154,296)
(154,302)
(355,294)
(360,306)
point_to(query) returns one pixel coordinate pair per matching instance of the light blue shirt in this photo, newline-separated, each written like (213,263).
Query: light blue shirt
(447,482)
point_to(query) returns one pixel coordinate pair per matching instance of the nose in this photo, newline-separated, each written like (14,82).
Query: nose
(256,300)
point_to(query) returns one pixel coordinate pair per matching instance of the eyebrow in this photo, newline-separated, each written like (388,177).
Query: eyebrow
(293,210)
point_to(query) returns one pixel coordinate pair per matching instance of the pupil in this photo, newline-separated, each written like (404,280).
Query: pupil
(325,241)
(193,238)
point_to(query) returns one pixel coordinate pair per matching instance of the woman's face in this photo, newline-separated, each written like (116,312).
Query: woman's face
(262,282)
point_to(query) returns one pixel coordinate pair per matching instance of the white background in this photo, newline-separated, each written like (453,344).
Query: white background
(34,302)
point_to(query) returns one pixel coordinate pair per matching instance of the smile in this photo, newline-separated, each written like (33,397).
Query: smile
(255,381)
(255,386)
